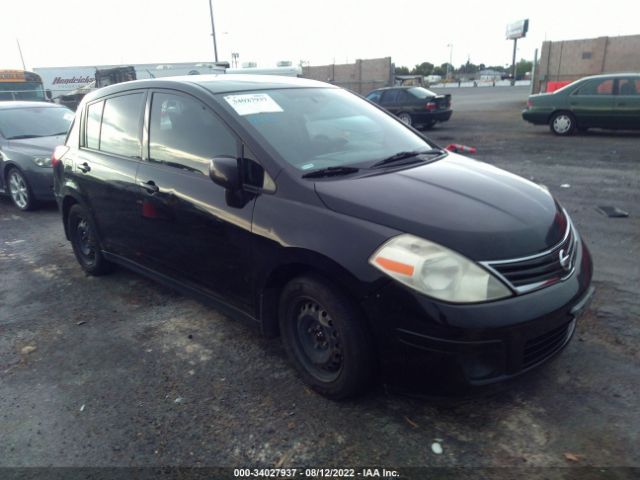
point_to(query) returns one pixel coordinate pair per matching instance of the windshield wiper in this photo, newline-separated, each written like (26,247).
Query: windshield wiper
(404,155)
(330,172)
(22,137)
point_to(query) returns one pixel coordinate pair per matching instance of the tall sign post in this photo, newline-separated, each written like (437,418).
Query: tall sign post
(515,31)
(213,33)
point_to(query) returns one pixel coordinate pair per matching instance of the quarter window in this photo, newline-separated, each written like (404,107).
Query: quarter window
(185,134)
(120,132)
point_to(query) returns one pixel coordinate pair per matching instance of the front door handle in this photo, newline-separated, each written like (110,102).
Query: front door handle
(150,186)
(84,167)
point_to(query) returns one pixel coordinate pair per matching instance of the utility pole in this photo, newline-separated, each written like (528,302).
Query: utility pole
(513,62)
(21,57)
(213,33)
(450,65)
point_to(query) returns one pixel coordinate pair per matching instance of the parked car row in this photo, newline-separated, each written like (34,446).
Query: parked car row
(323,219)
(601,101)
(29,131)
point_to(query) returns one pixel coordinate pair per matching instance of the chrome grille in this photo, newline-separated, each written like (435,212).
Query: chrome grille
(541,270)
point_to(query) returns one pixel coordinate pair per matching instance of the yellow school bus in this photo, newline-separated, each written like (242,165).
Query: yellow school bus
(21,85)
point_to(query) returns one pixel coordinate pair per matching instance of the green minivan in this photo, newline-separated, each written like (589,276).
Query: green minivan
(609,101)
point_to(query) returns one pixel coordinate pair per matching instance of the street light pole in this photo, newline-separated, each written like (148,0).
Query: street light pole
(213,33)
(449,65)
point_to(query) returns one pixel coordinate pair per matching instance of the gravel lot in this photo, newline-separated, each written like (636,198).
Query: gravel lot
(119,371)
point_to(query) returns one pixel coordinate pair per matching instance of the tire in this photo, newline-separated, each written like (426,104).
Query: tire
(562,123)
(326,338)
(85,243)
(19,190)
(405,118)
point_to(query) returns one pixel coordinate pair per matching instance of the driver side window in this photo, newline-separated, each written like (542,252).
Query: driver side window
(185,134)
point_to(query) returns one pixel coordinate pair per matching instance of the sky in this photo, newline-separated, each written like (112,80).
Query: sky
(87,32)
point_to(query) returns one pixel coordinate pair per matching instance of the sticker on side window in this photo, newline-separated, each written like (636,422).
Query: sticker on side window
(252,103)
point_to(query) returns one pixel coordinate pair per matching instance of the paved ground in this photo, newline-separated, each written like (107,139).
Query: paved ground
(120,371)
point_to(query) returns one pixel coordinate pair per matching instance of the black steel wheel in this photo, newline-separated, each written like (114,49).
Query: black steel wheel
(326,338)
(85,243)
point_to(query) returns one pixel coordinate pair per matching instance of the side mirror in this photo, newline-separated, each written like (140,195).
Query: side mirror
(224,171)
(47,92)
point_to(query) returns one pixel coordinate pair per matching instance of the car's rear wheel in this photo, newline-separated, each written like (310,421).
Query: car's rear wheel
(405,118)
(85,243)
(562,123)
(326,338)
(20,190)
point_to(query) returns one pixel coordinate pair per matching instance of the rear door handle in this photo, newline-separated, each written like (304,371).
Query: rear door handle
(150,186)
(84,167)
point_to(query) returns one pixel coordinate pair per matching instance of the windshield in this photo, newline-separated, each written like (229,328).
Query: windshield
(313,128)
(34,122)
(421,93)
(21,91)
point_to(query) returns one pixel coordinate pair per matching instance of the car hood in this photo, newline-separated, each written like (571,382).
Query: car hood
(480,211)
(36,146)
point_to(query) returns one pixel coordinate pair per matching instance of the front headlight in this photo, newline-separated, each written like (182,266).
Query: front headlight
(42,161)
(436,271)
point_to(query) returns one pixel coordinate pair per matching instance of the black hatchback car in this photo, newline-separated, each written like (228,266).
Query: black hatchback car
(324,219)
(414,106)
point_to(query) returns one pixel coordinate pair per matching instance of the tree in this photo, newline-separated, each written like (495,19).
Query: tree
(424,69)
(523,67)
(441,70)
(402,71)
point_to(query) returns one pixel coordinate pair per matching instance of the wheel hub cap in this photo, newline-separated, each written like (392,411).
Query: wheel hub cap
(562,124)
(18,190)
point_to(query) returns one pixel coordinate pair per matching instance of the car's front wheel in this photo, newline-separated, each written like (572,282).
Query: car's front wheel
(405,118)
(85,243)
(562,123)
(326,338)
(20,190)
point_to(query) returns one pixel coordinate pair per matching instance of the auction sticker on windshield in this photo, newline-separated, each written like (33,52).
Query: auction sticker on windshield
(252,103)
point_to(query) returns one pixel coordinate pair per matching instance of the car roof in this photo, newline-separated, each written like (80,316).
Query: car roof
(613,75)
(13,104)
(403,87)
(217,83)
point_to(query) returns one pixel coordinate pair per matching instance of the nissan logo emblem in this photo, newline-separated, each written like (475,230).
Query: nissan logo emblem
(565,260)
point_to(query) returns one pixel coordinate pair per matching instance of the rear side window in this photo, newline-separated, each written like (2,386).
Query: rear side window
(629,86)
(94,117)
(185,134)
(120,132)
(390,96)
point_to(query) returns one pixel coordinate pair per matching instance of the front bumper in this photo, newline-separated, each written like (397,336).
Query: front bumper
(41,182)
(426,343)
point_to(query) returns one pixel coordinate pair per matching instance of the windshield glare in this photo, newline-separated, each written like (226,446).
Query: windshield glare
(35,121)
(313,128)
